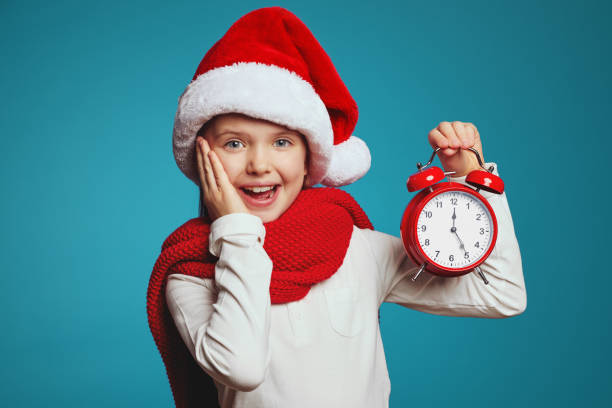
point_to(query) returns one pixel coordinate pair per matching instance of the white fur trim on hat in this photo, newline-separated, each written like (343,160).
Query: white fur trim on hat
(275,94)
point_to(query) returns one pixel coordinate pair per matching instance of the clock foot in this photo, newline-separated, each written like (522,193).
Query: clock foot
(481,273)
(416,275)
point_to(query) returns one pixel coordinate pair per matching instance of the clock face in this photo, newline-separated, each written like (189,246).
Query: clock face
(454,229)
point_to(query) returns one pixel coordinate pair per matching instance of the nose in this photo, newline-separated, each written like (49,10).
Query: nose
(258,161)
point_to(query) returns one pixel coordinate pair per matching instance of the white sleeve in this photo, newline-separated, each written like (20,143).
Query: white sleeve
(466,295)
(225,321)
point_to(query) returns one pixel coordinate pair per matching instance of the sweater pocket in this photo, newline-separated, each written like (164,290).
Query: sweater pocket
(344,311)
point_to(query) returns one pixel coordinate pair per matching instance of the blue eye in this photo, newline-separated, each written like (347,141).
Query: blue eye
(285,144)
(233,144)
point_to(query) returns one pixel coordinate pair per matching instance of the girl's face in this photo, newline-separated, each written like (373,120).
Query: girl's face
(264,161)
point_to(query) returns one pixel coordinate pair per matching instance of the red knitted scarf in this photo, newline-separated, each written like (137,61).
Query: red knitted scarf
(306,244)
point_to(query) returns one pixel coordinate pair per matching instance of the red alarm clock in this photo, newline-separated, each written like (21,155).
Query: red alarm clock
(449,228)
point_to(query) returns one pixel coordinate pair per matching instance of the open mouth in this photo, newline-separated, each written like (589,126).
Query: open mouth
(260,193)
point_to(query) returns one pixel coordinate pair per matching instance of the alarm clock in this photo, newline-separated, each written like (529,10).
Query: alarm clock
(448,228)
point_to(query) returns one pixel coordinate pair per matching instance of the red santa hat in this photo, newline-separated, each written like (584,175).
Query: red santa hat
(270,66)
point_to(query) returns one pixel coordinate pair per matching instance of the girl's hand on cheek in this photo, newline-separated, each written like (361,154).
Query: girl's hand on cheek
(453,139)
(220,196)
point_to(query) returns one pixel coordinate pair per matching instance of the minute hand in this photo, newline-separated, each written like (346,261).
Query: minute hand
(454,230)
(460,241)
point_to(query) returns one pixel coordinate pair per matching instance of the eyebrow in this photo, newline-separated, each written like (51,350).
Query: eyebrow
(289,132)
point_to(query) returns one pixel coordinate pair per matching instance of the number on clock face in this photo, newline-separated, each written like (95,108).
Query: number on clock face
(459,241)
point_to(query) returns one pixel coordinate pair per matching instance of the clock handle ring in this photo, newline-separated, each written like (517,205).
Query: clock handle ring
(437,149)
(422,166)
(480,162)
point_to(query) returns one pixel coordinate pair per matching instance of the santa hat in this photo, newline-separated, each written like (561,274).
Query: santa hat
(269,66)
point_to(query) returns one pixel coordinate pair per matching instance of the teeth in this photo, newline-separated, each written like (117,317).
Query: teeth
(259,189)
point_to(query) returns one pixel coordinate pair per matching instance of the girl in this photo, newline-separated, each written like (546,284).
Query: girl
(270,297)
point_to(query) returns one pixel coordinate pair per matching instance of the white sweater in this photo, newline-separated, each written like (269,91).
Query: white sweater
(324,350)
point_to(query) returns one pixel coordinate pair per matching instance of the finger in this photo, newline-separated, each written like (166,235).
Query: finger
(476,133)
(436,139)
(469,133)
(447,130)
(210,174)
(201,171)
(474,141)
(204,145)
(459,129)
(477,140)
(220,174)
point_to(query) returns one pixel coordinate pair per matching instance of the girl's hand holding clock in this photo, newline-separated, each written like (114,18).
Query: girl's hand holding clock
(220,196)
(454,139)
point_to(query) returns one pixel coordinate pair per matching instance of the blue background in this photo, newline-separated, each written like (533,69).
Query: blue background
(90,187)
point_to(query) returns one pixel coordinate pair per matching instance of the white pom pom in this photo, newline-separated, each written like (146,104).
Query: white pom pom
(350,160)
